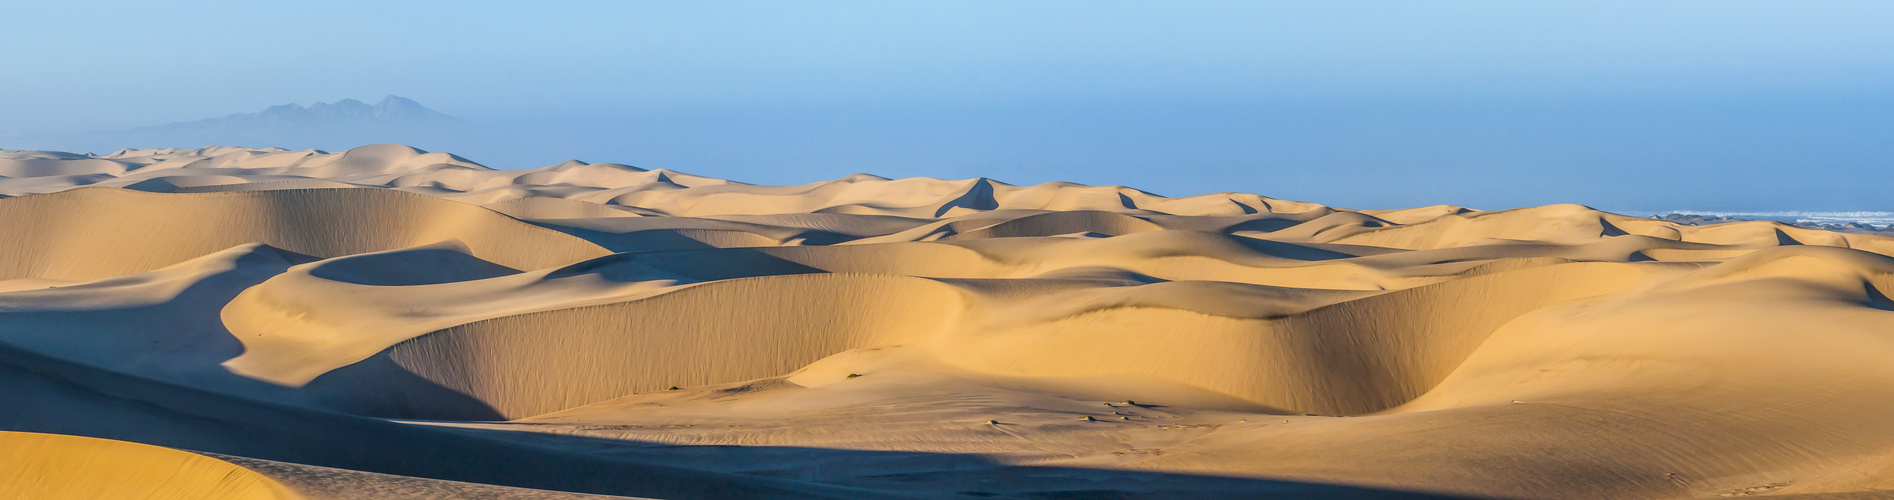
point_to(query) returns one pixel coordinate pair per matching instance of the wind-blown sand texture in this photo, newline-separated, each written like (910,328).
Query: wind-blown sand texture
(389,323)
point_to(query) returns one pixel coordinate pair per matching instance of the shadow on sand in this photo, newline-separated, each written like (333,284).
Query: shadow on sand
(56,396)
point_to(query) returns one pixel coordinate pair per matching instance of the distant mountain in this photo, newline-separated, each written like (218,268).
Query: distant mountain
(339,125)
(340,116)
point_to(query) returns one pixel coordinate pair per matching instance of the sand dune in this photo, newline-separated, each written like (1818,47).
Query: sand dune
(95,233)
(388,322)
(56,466)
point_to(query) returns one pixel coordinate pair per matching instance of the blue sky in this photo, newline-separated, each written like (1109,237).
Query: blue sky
(1724,105)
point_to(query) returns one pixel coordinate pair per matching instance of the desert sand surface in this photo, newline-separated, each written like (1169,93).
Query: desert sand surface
(385,322)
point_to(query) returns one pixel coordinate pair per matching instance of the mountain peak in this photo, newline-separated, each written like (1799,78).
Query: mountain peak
(343,109)
(392,100)
(390,108)
(397,107)
(282,108)
(331,125)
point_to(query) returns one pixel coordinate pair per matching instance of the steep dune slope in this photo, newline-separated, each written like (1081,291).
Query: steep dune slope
(314,318)
(94,233)
(724,332)
(1355,357)
(56,466)
(1350,358)
(386,317)
(58,397)
(1755,376)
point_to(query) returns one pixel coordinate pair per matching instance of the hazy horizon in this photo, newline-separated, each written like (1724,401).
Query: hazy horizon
(1712,106)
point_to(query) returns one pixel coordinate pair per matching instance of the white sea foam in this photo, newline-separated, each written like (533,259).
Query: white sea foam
(1864,217)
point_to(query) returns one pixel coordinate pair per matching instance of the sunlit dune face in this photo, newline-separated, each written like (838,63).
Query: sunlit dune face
(387,321)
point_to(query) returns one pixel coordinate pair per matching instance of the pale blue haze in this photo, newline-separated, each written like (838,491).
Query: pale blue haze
(1759,106)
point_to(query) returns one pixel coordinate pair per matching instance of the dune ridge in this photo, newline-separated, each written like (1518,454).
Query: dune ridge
(56,466)
(866,336)
(87,234)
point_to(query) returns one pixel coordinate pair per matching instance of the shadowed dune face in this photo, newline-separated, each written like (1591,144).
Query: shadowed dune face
(864,336)
(722,332)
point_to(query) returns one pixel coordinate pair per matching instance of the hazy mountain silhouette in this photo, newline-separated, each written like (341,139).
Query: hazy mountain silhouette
(346,114)
(339,125)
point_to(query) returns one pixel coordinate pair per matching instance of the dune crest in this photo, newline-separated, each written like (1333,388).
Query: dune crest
(55,466)
(602,329)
